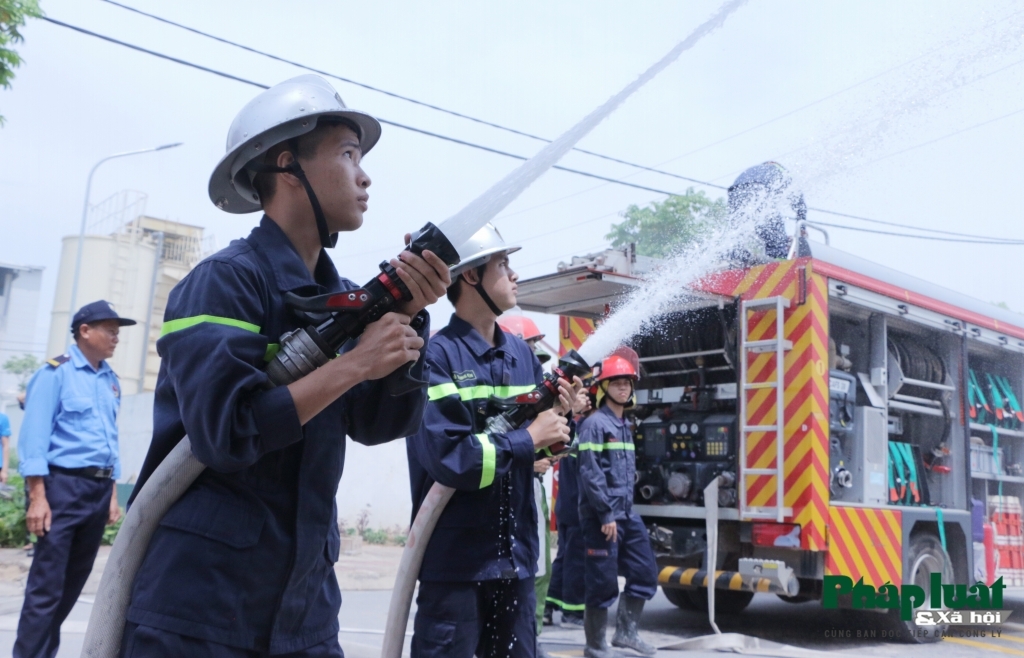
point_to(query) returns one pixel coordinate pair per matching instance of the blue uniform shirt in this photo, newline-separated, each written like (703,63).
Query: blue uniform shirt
(246,556)
(607,467)
(5,425)
(489,528)
(70,417)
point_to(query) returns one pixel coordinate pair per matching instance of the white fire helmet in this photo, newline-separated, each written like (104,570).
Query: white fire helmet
(478,249)
(285,111)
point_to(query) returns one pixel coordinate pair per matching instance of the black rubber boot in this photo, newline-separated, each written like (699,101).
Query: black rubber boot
(595,622)
(572,620)
(630,609)
(549,615)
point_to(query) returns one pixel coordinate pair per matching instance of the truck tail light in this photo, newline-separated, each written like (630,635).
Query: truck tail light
(782,535)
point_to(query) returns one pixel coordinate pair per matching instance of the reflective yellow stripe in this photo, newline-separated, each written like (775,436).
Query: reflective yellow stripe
(184,323)
(441,391)
(598,447)
(484,391)
(487,469)
(481,392)
(566,606)
(272,351)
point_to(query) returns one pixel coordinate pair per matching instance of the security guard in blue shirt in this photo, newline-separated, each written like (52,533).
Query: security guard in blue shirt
(243,563)
(476,594)
(69,455)
(614,536)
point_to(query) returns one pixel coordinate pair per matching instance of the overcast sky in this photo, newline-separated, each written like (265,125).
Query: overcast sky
(873,93)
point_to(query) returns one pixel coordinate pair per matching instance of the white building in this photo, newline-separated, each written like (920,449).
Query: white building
(134,267)
(19,305)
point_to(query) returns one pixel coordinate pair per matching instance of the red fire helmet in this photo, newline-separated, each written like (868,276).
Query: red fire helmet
(616,366)
(520,325)
(629,354)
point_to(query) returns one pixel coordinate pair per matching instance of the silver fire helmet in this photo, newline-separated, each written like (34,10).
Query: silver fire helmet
(478,249)
(285,111)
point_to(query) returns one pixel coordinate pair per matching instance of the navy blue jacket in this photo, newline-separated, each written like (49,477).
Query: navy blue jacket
(568,500)
(607,467)
(489,528)
(246,557)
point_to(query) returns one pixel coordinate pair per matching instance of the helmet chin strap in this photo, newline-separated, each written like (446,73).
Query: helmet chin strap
(479,287)
(327,240)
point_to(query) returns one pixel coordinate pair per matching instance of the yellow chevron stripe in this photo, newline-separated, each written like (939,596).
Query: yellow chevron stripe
(873,552)
(835,558)
(859,559)
(775,278)
(747,281)
(893,521)
(767,493)
(764,324)
(888,549)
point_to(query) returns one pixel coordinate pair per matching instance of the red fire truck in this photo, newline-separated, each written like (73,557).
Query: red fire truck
(867,424)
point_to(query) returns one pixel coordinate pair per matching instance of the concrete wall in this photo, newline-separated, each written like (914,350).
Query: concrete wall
(19,305)
(376,480)
(134,433)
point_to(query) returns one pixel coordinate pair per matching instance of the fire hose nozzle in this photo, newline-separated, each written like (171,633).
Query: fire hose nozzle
(431,238)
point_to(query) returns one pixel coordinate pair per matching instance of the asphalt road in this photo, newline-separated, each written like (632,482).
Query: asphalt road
(806,625)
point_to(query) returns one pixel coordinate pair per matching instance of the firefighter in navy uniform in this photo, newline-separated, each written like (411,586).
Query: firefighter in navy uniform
(525,328)
(567,577)
(476,593)
(614,536)
(243,563)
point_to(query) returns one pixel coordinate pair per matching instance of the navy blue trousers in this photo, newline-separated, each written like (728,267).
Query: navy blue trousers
(148,642)
(631,556)
(567,571)
(62,560)
(487,619)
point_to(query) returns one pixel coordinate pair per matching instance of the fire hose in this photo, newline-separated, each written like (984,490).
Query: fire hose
(518,411)
(340,317)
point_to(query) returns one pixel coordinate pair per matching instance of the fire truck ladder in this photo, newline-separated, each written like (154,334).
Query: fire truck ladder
(779,345)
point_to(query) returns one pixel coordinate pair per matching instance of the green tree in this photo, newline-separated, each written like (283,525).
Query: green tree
(663,227)
(12,16)
(23,366)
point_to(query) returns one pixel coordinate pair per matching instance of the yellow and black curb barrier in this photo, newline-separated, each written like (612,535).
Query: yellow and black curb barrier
(733,580)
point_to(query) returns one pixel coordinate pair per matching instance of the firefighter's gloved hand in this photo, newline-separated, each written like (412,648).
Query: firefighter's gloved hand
(548,428)
(426,276)
(386,345)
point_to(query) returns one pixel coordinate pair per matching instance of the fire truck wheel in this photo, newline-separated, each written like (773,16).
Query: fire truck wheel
(926,557)
(679,598)
(727,602)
